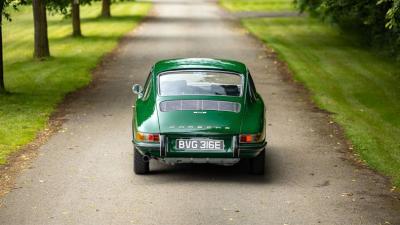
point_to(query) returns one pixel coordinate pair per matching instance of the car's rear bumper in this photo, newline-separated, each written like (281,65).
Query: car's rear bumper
(218,161)
(156,150)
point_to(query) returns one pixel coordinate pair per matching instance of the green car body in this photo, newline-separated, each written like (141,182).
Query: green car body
(148,118)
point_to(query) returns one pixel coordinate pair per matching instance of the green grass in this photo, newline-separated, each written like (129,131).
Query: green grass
(258,5)
(360,86)
(38,86)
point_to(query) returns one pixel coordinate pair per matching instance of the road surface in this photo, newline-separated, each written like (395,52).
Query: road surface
(83,174)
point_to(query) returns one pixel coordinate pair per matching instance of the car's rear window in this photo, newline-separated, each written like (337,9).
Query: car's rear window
(200,83)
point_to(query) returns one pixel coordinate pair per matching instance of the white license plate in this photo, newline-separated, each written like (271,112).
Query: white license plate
(199,144)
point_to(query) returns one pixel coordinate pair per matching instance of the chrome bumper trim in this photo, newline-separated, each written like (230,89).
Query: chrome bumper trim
(217,161)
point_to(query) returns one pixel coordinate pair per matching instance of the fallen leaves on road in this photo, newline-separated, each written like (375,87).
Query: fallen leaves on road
(347,194)
(324,184)
(233,210)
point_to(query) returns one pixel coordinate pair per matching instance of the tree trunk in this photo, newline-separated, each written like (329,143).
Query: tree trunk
(41,49)
(76,19)
(105,10)
(2,88)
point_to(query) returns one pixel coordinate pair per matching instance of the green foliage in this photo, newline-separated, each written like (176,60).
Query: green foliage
(378,21)
(38,86)
(64,6)
(5,4)
(57,6)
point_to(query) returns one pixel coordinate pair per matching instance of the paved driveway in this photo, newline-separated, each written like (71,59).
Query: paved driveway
(83,174)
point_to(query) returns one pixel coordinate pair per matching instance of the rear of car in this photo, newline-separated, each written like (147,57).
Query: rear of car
(199,115)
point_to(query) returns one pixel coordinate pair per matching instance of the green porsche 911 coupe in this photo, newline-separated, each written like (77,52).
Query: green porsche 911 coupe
(198,110)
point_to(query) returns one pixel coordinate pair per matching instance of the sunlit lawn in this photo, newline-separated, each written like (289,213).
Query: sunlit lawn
(37,86)
(259,5)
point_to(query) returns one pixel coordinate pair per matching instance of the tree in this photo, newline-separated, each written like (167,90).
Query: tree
(105,9)
(76,19)
(3,13)
(41,46)
(69,8)
(2,87)
(75,14)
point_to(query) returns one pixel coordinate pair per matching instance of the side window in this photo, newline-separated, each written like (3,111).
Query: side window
(147,87)
(252,87)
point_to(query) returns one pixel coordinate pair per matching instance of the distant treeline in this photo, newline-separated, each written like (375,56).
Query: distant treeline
(378,21)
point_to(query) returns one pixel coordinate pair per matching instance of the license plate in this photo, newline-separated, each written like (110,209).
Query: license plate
(199,144)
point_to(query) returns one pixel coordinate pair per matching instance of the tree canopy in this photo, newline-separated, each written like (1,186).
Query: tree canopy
(379,19)
(5,4)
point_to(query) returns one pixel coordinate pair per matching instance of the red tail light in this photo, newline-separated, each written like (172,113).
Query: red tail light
(153,138)
(145,137)
(251,138)
(246,138)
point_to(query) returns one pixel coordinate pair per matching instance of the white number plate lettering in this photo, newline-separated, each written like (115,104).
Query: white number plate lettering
(199,144)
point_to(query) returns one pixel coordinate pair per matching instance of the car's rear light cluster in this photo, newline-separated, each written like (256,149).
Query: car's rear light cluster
(251,138)
(146,137)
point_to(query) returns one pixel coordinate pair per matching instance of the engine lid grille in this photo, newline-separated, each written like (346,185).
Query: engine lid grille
(182,105)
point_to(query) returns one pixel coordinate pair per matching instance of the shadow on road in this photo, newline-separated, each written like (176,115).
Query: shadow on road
(215,173)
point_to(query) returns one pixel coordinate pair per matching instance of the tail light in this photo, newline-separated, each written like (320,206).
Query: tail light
(251,138)
(146,137)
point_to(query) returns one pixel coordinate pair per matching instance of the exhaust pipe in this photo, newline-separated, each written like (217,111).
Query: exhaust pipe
(146,158)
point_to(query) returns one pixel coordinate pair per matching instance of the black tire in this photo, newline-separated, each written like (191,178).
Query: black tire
(257,164)
(140,166)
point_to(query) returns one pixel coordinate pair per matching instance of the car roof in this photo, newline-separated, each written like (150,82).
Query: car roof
(199,63)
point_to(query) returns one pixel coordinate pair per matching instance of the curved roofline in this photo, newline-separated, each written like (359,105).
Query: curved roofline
(199,63)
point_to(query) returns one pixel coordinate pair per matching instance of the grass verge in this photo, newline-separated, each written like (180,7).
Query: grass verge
(38,86)
(258,5)
(355,83)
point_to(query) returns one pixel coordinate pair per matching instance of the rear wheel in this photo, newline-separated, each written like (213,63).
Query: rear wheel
(257,164)
(140,166)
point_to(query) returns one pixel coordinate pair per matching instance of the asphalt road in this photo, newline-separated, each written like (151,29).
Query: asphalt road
(83,174)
